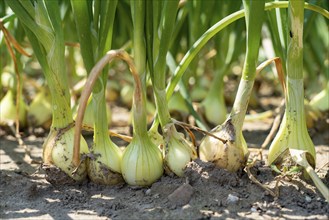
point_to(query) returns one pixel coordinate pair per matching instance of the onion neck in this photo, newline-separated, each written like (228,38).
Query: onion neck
(240,105)
(100,117)
(61,109)
(295,118)
(139,109)
(162,106)
(254,14)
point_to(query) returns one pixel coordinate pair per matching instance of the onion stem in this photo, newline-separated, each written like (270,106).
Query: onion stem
(233,154)
(167,21)
(43,26)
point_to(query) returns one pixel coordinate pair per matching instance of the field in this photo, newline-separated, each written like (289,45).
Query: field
(164,109)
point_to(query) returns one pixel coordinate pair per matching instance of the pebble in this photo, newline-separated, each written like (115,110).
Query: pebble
(182,195)
(32,138)
(218,202)
(272,212)
(187,206)
(232,199)
(148,192)
(156,196)
(253,209)
(308,199)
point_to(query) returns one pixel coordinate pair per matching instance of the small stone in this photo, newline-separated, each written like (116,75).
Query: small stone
(182,195)
(187,206)
(148,192)
(218,202)
(156,196)
(232,199)
(253,209)
(32,138)
(272,212)
(308,199)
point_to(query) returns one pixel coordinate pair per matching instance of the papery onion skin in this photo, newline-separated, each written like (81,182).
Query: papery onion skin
(230,155)
(58,151)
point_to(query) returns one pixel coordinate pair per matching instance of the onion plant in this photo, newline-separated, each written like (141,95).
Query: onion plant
(94,22)
(142,162)
(178,151)
(292,137)
(233,153)
(42,24)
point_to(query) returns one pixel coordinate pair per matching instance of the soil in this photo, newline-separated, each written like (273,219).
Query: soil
(205,192)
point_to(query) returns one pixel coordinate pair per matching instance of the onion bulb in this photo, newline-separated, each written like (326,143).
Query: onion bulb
(126,94)
(104,163)
(215,108)
(142,162)
(230,155)
(104,166)
(179,151)
(58,152)
(8,109)
(321,100)
(232,152)
(8,79)
(39,112)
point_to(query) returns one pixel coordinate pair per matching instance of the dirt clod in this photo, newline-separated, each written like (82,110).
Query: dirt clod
(182,195)
(56,176)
